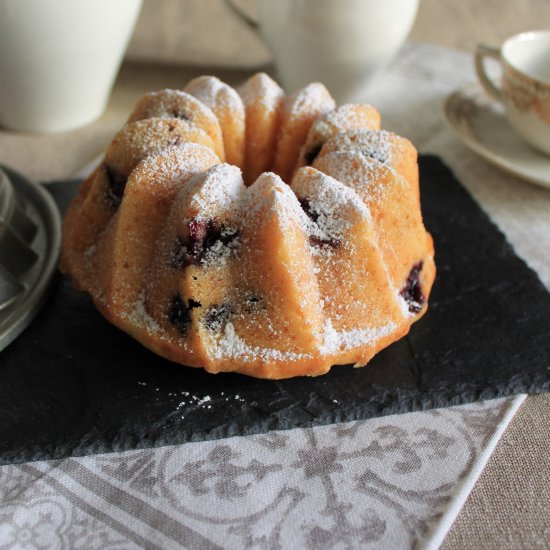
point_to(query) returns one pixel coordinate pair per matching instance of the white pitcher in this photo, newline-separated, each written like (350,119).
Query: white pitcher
(59,60)
(341,43)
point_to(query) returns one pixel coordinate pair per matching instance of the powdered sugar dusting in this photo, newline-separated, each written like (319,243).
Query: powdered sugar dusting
(270,192)
(367,176)
(89,253)
(380,145)
(177,161)
(352,116)
(231,346)
(336,341)
(345,117)
(165,103)
(139,316)
(311,99)
(211,199)
(219,188)
(214,93)
(144,138)
(262,89)
(219,253)
(404,307)
(336,207)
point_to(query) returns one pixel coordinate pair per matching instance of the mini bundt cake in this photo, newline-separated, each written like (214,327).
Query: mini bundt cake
(316,257)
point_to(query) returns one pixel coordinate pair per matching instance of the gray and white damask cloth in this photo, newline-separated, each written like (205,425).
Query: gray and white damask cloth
(392,482)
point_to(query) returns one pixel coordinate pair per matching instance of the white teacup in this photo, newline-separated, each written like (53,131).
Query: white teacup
(59,59)
(525,86)
(341,43)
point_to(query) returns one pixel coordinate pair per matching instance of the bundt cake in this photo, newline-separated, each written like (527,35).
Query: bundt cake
(317,256)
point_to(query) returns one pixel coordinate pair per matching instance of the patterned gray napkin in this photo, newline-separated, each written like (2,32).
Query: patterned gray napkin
(392,482)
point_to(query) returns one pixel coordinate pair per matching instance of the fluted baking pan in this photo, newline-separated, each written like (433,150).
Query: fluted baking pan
(30,241)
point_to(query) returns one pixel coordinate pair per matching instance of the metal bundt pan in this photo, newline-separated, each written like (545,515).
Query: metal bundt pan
(30,241)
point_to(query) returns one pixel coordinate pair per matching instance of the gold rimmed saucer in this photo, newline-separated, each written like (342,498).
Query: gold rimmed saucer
(480,123)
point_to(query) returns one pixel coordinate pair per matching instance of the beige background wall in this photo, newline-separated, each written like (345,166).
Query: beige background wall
(205,32)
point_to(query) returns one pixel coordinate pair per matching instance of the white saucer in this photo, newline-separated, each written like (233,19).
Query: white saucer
(480,123)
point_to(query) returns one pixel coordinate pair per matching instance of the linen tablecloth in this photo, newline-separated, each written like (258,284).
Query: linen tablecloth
(393,482)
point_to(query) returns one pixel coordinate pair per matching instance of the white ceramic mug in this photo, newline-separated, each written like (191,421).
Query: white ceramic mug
(341,43)
(525,86)
(59,59)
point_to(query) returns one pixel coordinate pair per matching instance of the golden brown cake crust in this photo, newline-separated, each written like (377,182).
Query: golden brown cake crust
(317,257)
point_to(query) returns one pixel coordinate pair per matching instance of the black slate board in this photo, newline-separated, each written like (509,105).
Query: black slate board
(72,384)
